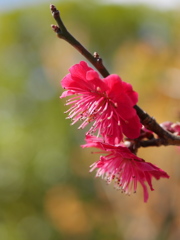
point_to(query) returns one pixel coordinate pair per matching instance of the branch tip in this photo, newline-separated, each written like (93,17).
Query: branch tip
(54,11)
(53,8)
(55,28)
(98,59)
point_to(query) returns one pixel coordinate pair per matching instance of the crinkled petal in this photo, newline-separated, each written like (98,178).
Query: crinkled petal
(66,94)
(114,84)
(79,70)
(130,92)
(72,84)
(97,84)
(124,107)
(131,127)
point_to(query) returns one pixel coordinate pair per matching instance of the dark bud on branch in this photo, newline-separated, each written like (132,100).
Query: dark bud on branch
(98,59)
(55,28)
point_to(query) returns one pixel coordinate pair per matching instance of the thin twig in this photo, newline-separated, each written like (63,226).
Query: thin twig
(164,137)
(62,32)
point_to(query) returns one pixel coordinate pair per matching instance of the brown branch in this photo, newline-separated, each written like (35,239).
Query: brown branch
(155,142)
(150,123)
(164,137)
(62,32)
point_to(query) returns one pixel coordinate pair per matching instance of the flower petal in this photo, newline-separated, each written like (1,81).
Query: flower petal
(131,128)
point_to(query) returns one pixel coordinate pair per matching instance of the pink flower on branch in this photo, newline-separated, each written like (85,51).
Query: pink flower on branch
(107,102)
(172,127)
(120,165)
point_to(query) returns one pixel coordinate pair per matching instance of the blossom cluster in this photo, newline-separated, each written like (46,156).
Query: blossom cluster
(107,105)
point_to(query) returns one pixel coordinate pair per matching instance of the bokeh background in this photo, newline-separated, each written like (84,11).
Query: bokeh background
(46,190)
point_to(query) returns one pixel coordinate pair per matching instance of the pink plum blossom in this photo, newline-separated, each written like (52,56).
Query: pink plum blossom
(171,127)
(120,165)
(107,102)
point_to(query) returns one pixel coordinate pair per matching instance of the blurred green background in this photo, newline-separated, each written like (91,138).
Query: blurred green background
(46,191)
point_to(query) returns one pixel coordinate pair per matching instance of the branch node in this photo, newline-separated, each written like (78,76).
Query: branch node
(96,55)
(98,60)
(55,28)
